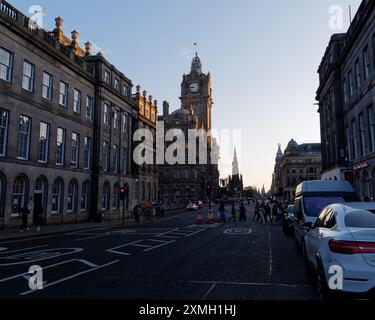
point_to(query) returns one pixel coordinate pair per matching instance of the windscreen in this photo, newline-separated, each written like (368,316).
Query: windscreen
(314,205)
(360,219)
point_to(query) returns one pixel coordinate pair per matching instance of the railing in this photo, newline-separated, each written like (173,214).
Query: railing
(49,38)
(90,69)
(31,25)
(78,60)
(8,10)
(65,51)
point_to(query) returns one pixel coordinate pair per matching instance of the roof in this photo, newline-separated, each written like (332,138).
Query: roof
(324,186)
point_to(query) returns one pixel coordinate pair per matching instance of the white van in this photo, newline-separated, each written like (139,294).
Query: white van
(313,196)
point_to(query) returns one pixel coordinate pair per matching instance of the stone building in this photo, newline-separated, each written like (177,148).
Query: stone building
(180,183)
(346,103)
(65,119)
(276,187)
(146,175)
(298,163)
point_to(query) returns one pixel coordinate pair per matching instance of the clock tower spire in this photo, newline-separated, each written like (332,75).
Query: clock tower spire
(196,93)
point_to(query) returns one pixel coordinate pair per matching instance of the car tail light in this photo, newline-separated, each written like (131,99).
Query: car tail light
(351,247)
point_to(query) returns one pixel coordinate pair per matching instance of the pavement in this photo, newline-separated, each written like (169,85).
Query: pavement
(171,259)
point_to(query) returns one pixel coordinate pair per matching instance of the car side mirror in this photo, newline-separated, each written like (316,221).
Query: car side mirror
(307,226)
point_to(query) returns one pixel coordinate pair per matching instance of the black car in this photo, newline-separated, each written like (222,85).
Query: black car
(288,221)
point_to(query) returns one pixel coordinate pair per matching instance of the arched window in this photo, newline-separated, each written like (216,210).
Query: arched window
(72,196)
(105,196)
(41,186)
(116,197)
(85,196)
(58,196)
(20,195)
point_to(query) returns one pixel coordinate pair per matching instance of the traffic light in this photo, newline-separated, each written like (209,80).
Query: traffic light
(122,193)
(209,189)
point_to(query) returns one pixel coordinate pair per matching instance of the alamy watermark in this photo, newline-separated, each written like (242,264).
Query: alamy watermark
(36,278)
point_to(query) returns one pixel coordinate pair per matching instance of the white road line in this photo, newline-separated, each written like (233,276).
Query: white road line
(255,284)
(124,245)
(164,233)
(93,237)
(88,263)
(43,268)
(270,246)
(209,291)
(189,235)
(24,249)
(70,277)
(141,245)
(154,240)
(3,249)
(170,237)
(163,244)
(119,252)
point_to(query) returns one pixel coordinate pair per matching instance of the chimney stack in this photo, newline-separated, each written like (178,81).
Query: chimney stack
(75,44)
(165,108)
(88,48)
(59,23)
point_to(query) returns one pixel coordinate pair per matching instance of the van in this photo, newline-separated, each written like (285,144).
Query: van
(313,196)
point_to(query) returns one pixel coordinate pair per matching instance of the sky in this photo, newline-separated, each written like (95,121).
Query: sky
(263,57)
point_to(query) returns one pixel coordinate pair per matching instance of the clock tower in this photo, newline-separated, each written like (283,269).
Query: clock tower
(196,93)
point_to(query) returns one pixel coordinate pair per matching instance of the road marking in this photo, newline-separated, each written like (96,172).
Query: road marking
(70,277)
(25,249)
(44,268)
(192,234)
(124,245)
(270,245)
(119,252)
(238,231)
(256,284)
(164,233)
(88,263)
(209,291)
(170,237)
(93,237)
(3,249)
(142,245)
(163,244)
(155,240)
(30,239)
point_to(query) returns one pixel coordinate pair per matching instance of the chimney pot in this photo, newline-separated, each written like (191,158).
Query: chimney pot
(88,48)
(138,87)
(59,23)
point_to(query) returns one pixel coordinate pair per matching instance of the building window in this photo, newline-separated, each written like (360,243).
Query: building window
(362,136)
(105,196)
(63,99)
(72,196)
(89,107)
(75,150)
(4,128)
(6,65)
(19,196)
(106,114)
(126,91)
(77,101)
(351,87)
(58,196)
(371,120)
(117,120)
(116,157)
(105,156)
(85,196)
(117,84)
(87,160)
(43,142)
(107,77)
(354,140)
(28,76)
(24,128)
(41,187)
(47,86)
(345,89)
(358,74)
(125,123)
(124,161)
(116,197)
(366,63)
(60,146)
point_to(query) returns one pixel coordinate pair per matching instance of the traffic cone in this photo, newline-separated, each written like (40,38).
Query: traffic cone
(200,219)
(210,219)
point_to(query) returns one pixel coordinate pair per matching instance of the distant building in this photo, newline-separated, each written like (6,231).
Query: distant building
(235,181)
(346,104)
(298,163)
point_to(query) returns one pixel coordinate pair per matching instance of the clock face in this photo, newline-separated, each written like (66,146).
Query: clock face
(194,87)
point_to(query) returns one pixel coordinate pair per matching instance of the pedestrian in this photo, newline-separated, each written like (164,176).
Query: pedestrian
(37,215)
(233,218)
(24,214)
(256,216)
(243,217)
(153,213)
(262,213)
(222,212)
(274,213)
(137,212)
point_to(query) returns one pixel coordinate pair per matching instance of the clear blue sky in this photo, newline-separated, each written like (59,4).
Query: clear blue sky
(263,56)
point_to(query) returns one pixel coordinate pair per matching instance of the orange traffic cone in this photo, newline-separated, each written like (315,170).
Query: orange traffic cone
(210,219)
(200,219)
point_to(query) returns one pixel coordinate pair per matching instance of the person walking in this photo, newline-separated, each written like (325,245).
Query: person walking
(256,216)
(37,216)
(24,214)
(274,213)
(233,218)
(137,212)
(153,213)
(262,213)
(242,213)
(222,212)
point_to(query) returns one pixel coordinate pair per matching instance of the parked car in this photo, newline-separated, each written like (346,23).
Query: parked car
(192,206)
(344,236)
(288,221)
(199,204)
(312,196)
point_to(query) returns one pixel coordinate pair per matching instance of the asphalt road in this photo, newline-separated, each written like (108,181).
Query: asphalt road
(171,259)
